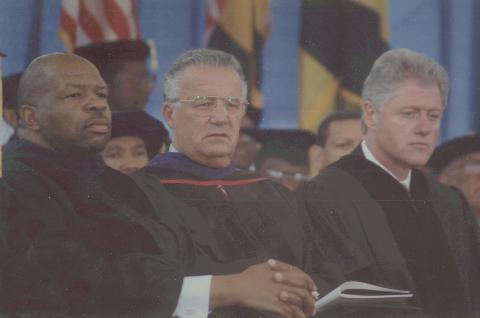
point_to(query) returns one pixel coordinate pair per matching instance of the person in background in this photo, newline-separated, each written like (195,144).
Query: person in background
(457,163)
(284,156)
(252,118)
(246,150)
(411,232)
(122,64)
(338,134)
(248,146)
(9,124)
(136,138)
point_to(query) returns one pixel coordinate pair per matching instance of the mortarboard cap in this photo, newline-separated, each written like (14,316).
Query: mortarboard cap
(141,125)
(105,55)
(454,149)
(10,87)
(290,145)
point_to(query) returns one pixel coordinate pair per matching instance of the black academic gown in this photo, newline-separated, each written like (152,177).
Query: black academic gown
(425,241)
(68,248)
(235,218)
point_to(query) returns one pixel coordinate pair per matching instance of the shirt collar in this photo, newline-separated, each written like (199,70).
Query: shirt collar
(370,157)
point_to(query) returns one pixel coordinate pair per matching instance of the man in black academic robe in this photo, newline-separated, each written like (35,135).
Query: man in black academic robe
(236,219)
(408,231)
(71,245)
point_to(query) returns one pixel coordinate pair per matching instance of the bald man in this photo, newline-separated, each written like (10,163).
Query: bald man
(67,246)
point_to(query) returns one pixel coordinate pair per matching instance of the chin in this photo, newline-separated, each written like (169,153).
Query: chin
(97,146)
(416,162)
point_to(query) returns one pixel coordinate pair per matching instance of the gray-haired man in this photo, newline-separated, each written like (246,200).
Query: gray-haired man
(412,232)
(241,219)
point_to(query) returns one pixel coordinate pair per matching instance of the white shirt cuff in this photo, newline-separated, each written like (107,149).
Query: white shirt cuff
(194,298)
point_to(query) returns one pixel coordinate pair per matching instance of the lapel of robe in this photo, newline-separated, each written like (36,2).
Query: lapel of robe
(372,231)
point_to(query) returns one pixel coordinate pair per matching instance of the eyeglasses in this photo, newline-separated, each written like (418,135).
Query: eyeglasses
(298,177)
(204,105)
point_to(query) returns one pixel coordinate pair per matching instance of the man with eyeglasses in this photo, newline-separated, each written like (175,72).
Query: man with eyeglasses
(241,219)
(457,163)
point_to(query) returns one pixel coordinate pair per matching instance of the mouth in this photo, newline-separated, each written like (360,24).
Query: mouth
(218,135)
(420,145)
(99,126)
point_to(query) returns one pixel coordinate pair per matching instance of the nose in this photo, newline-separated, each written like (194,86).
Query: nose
(219,114)
(424,125)
(97,104)
(146,84)
(129,166)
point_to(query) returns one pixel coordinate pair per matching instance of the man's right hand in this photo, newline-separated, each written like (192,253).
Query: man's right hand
(258,287)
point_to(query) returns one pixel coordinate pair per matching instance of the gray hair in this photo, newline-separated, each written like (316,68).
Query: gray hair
(397,65)
(199,57)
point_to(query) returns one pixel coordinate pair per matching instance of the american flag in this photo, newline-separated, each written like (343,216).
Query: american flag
(84,22)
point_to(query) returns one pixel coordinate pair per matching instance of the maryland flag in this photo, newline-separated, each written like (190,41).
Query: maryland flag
(340,40)
(240,27)
(83,22)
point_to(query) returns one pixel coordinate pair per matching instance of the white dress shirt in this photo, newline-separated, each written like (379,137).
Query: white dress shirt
(194,298)
(370,157)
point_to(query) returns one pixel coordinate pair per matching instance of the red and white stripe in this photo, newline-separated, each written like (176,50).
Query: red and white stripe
(214,10)
(90,21)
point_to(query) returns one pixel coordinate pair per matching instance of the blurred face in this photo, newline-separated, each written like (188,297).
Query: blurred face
(464,174)
(207,137)
(126,154)
(73,114)
(246,150)
(279,170)
(403,133)
(131,87)
(343,136)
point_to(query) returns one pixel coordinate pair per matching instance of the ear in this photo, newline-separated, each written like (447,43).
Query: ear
(442,178)
(316,159)
(10,117)
(167,111)
(258,146)
(370,114)
(29,117)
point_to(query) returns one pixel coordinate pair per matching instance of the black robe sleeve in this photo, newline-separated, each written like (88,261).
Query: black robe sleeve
(330,232)
(59,260)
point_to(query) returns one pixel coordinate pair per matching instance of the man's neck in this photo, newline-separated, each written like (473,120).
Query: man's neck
(33,138)
(372,154)
(211,162)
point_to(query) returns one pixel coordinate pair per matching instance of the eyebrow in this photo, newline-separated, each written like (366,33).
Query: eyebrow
(114,148)
(83,86)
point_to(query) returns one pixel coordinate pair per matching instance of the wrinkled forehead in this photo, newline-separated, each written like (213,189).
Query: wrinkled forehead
(209,77)
(76,72)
